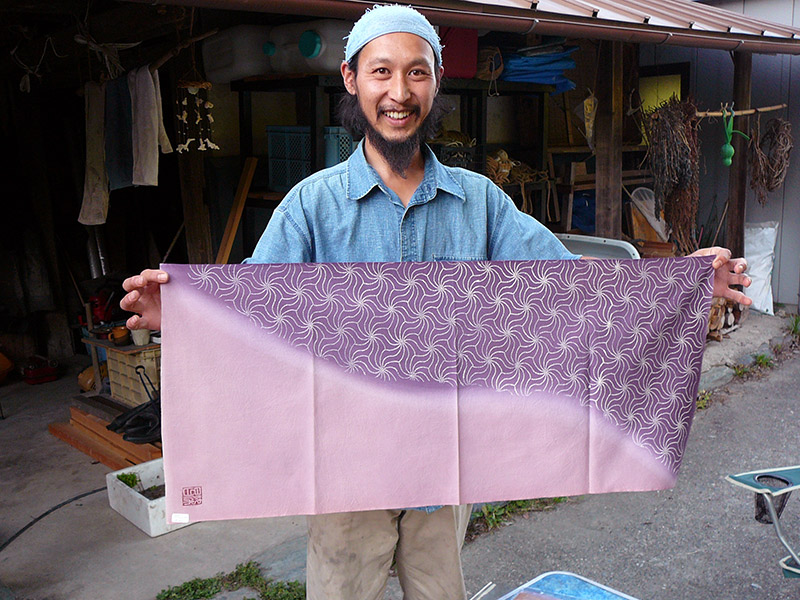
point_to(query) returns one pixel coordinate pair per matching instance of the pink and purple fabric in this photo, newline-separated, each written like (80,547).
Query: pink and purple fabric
(295,389)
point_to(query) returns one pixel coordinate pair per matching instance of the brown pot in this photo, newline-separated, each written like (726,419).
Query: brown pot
(121,336)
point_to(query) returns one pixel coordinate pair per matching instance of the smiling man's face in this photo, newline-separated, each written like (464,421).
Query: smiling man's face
(395,83)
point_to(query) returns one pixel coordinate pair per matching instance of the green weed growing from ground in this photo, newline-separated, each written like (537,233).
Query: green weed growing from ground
(763,361)
(246,575)
(703,399)
(740,370)
(492,516)
(794,326)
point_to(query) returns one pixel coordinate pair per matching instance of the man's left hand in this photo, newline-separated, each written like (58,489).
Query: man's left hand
(727,272)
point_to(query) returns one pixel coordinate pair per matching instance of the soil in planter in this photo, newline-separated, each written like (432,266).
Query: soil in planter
(154,492)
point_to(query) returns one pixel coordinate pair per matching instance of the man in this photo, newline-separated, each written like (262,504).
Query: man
(393,201)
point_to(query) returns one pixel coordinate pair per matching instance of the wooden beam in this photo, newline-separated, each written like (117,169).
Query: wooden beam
(737,182)
(608,141)
(741,113)
(89,445)
(95,428)
(235,216)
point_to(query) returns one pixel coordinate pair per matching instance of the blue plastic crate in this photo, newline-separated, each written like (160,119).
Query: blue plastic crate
(284,173)
(339,145)
(289,153)
(289,142)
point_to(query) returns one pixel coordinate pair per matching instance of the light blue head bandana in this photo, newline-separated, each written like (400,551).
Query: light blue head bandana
(391,19)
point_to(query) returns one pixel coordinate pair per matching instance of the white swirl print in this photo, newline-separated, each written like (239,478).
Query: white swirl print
(625,337)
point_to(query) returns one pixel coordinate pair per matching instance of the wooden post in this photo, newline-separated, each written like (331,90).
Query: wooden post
(195,211)
(245,123)
(98,375)
(737,182)
(608,141)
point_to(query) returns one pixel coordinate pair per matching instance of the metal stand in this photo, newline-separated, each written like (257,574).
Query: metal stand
(762,483)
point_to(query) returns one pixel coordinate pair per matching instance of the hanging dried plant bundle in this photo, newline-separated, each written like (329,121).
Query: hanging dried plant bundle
(673,158)
(769,156)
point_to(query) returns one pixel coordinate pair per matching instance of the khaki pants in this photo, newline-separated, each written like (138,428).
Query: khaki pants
(349,554)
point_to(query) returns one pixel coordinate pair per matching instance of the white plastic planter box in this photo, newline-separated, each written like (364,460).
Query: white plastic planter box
(148,515)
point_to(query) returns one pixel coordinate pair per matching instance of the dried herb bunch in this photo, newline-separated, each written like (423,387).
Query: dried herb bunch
(768,156)
(673,158)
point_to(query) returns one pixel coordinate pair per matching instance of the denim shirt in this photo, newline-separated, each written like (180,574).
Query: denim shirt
(347,214)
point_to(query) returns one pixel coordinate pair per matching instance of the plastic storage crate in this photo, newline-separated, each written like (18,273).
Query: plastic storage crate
(125,383)
(339,145)
(293,143)
(289,153)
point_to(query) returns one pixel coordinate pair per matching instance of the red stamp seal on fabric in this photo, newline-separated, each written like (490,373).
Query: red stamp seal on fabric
(192,496)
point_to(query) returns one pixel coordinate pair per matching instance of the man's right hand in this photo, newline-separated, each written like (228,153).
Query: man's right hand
(144,298)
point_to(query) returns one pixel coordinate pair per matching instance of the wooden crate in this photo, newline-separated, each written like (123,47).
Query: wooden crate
(125,383)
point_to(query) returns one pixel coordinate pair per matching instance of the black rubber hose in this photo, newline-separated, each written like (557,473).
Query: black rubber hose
(44,514)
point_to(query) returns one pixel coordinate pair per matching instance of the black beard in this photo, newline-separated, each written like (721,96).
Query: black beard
(398,154)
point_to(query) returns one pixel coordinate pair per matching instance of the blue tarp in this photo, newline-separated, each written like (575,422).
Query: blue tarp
(543,68)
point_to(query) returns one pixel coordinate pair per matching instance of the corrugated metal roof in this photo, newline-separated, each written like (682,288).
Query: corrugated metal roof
(679,22)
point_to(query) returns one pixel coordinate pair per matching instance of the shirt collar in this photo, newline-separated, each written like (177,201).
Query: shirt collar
(362,178)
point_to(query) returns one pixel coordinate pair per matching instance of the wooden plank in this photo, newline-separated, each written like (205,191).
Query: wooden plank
(608,141)
(98,376)
(104,402)
(587,150)
(235,216)
(98,406)
(142,453)
(641,228)
(737,183)
(80,440)
(96,428)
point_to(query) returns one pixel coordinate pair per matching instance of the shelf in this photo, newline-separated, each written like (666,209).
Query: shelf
(283,82)
(314,109)
(127,349)
(586,149)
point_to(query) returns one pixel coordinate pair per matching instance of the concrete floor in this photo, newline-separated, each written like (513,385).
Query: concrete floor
(697,541)
(85,550)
